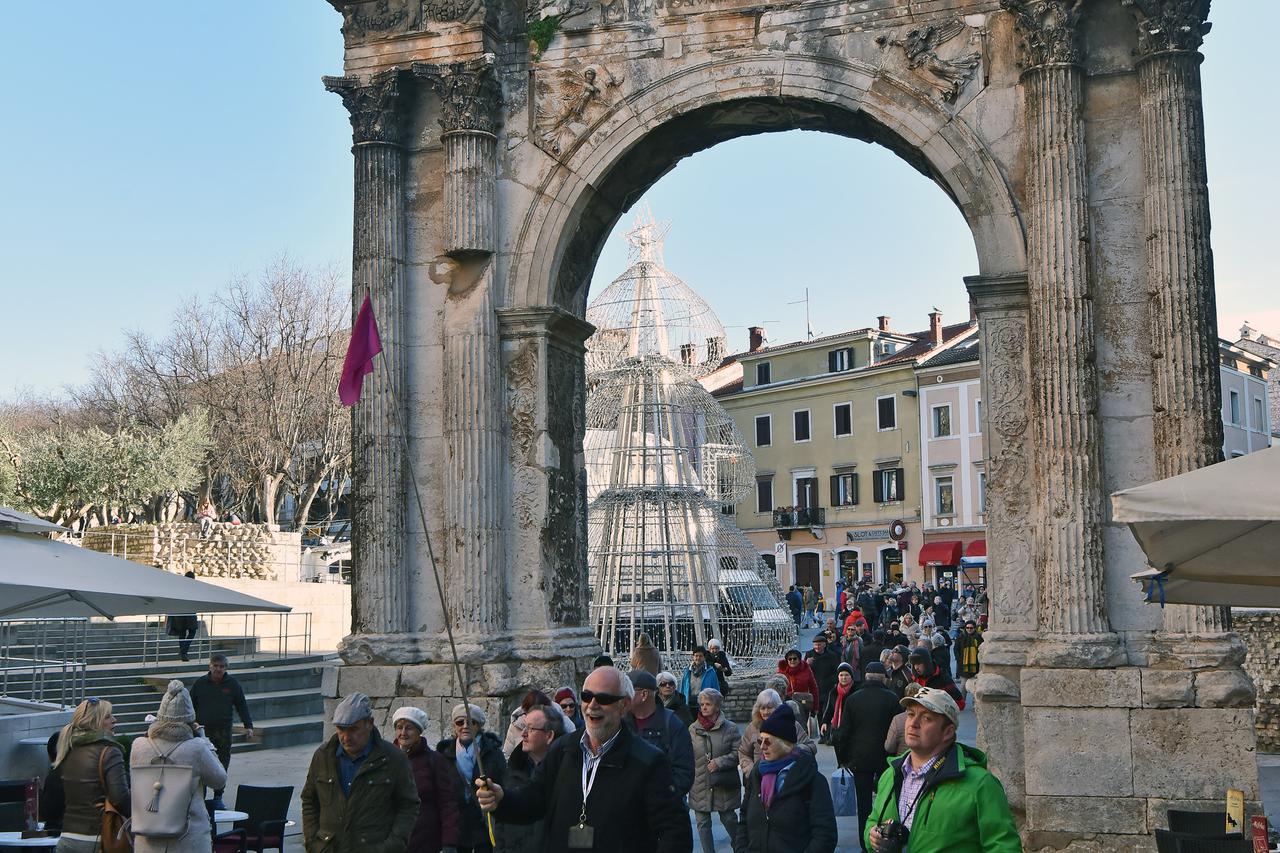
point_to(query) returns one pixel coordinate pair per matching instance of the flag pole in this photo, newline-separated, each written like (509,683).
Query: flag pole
(435,569)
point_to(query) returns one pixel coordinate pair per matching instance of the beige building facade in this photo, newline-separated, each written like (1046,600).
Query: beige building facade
(953,474)
(834,424)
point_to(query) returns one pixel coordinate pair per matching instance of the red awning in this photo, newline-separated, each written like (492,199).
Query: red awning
(940,554)
(976,548)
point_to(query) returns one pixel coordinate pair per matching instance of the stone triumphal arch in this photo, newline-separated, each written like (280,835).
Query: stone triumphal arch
(495,146)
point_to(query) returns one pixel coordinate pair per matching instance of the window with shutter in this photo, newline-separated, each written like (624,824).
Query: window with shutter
(887,413)
(764,430)
(764,494)
(877,487)
(763,374)
(843,419)
(801,419)
(844,489)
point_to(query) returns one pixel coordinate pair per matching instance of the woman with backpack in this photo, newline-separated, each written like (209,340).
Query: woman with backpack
(91,765)
(177,743)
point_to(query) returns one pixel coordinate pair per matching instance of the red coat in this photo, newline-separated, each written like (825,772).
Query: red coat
(800,680)
(439,789)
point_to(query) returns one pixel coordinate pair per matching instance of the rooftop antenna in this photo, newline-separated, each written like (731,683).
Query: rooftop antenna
(808,327)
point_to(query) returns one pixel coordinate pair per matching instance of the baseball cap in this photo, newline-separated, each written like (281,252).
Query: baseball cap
(642,679)
(938,701)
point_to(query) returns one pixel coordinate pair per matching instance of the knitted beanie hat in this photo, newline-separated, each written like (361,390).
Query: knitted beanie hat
(175,706)
(781,724)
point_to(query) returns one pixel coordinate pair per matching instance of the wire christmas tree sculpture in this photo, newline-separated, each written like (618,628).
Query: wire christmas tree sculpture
(665,463)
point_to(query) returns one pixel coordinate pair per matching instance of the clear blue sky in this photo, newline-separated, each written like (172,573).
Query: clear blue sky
(158,149)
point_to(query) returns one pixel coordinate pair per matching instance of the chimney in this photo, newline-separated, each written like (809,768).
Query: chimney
(935,327)
(1245,331)
(883,321)
(757,338)
(715,349)
(688,354)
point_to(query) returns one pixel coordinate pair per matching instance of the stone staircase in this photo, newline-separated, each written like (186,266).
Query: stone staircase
(283,692)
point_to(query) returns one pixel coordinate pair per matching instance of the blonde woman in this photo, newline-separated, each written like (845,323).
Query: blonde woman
(92,767)
(175,734)
(748,748)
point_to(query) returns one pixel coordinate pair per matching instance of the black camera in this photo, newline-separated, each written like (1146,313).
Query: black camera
(893,837)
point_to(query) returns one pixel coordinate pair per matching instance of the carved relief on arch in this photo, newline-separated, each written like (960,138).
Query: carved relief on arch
(522,401)
(568,101)
(1007,398)
(937,56)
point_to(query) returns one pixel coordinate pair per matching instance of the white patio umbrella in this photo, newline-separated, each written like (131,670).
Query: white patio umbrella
(41,578)
(1212,536)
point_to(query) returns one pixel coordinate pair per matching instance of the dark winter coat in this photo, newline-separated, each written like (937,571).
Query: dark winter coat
(824,671)
(898,679)
(664,731)
(940,680)
(515,837)
(215,700)
(864,722)
(799,820)
(633,806)
(440,791)
(378,814)
(679,706)
(719,661)
(472,829)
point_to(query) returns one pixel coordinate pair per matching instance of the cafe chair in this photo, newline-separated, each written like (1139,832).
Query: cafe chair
(1168,841)
(1198,823)
(268,810)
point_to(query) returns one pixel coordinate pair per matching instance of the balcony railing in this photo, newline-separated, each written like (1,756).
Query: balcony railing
(792,519)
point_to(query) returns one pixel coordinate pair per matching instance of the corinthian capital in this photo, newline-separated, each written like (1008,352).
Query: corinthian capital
(469,93)
(377,108)
(1170,24)
(1048,29)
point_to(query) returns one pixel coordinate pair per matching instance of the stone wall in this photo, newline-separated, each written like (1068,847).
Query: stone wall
(1260,630)
(249,551)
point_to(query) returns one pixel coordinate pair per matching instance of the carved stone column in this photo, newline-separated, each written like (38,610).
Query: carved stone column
(469,96)
(1186,382)
(380,598)
(474,487)
(1068,550)
(1008,409)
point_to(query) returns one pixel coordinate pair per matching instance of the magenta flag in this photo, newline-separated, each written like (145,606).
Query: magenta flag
(365,344)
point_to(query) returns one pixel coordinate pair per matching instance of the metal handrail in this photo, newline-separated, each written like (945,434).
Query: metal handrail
(291,635)
(69,634)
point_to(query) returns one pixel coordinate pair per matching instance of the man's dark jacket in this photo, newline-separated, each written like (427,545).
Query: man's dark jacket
(940,680)
(376,816)
(633,806)
(864,722)
(800,819)
(679,706)
(670,736)
(214,702)
(472,829)
(824,669)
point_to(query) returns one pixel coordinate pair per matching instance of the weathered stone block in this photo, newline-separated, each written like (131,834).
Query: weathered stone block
(329,681)
(1193,753)
(1000,736)
(1106,688)
(372,681)
(1166,688)
(1118,815)
(1074,842)
(1228,688)
(432,679)
(1078,752)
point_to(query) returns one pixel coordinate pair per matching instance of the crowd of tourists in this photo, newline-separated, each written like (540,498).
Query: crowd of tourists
(617,765)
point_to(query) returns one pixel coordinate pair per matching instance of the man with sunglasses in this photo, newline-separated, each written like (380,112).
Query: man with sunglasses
(603,789)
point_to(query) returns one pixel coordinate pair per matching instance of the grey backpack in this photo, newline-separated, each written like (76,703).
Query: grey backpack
(160,793)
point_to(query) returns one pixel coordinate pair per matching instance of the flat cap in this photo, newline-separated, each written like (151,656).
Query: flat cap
(643,679)
(352,709)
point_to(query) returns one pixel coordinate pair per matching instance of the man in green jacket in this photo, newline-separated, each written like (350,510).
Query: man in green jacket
(940,792)
(359,796)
